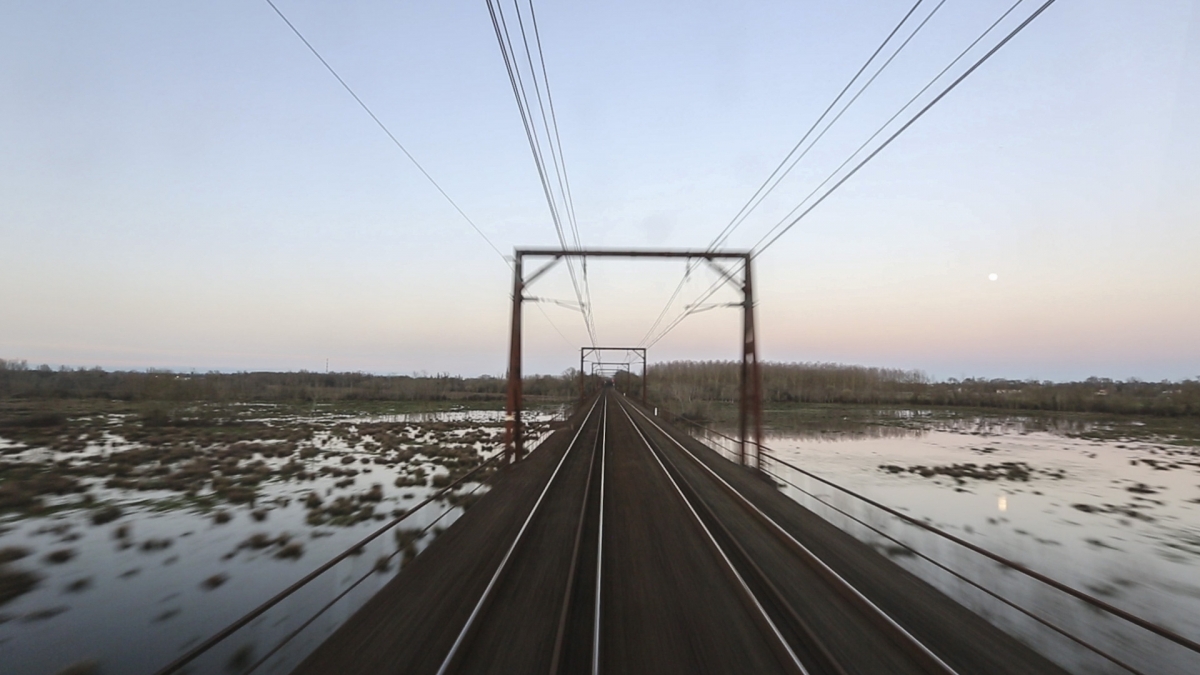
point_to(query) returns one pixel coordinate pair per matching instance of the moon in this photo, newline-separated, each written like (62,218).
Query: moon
(993,276)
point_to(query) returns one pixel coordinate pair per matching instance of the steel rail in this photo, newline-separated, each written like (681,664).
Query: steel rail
(962,577)
(1057,585)
(801,626)
(564,616)
(253,614)
(762,616)
(600,544)
(925,656)
(454,652)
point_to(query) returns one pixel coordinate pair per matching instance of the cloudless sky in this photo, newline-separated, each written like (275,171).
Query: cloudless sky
(183,185)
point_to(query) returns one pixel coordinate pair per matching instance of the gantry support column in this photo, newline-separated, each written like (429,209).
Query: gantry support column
(514,447)
(750,413)
(645,376)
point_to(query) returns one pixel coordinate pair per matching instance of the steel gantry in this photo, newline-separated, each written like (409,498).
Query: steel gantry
(637,352)
(750,403)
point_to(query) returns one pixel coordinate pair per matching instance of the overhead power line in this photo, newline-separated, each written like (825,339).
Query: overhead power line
(792,158)
(760,246)
(694,308)
(561,165)
(776,176)
(407,154)
(781,228)
(559,203)
(385,129)
(554,325)
(566,180)
(687,273)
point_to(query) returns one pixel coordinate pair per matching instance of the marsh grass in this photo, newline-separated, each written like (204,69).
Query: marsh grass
(110,464)
(15,583)
(886,421)
(60,556)
(214,582)
(106,514)
(681,385)
(12,554)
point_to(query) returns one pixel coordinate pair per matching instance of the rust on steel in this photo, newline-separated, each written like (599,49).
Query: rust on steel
(513,445)
(750,404)
(751,376)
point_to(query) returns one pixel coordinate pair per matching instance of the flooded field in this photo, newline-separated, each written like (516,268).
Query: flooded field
(127,537)
(1108,506)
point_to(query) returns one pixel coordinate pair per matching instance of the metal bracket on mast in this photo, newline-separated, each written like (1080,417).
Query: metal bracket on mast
(725,274)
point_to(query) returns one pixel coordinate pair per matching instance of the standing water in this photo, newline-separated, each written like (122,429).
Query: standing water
(1108,507)
(126,540)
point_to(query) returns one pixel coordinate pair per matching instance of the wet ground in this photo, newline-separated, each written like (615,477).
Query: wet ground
(1109,506)
(129,535)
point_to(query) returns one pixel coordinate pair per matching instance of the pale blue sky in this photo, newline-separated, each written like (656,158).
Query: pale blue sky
(183,185)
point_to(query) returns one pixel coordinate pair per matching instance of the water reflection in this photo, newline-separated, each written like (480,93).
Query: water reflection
(835,423)
(178,548)
(1108,506)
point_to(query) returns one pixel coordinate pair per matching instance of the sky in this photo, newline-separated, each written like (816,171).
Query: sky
(184,185)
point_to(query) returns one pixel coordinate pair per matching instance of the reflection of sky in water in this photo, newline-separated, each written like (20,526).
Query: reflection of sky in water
(143,608)
(135,623)
(1135,543)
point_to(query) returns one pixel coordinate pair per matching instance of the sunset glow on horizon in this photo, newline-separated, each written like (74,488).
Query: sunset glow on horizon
(188,188)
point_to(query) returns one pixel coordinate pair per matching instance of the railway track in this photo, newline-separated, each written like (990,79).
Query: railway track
(804,643)
(632,551)
(576,634)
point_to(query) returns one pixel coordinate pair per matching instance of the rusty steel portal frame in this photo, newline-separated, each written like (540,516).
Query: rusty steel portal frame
(598,351)
(750,403)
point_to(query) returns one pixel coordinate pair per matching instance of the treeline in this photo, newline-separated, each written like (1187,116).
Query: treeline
(18,380)
(684,385)
(680,385)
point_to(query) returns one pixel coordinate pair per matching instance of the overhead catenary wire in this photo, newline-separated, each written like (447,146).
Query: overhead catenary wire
(759,247)
(539,158)
(520,93)
(775,232)
(555,326)
(775,177)
(796,160)
(692,308)
(554,142)
(687,273)
(882,127)
(540,162)
(562,162)
(386,130)
(791,159)
(565,187)
(407,154)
